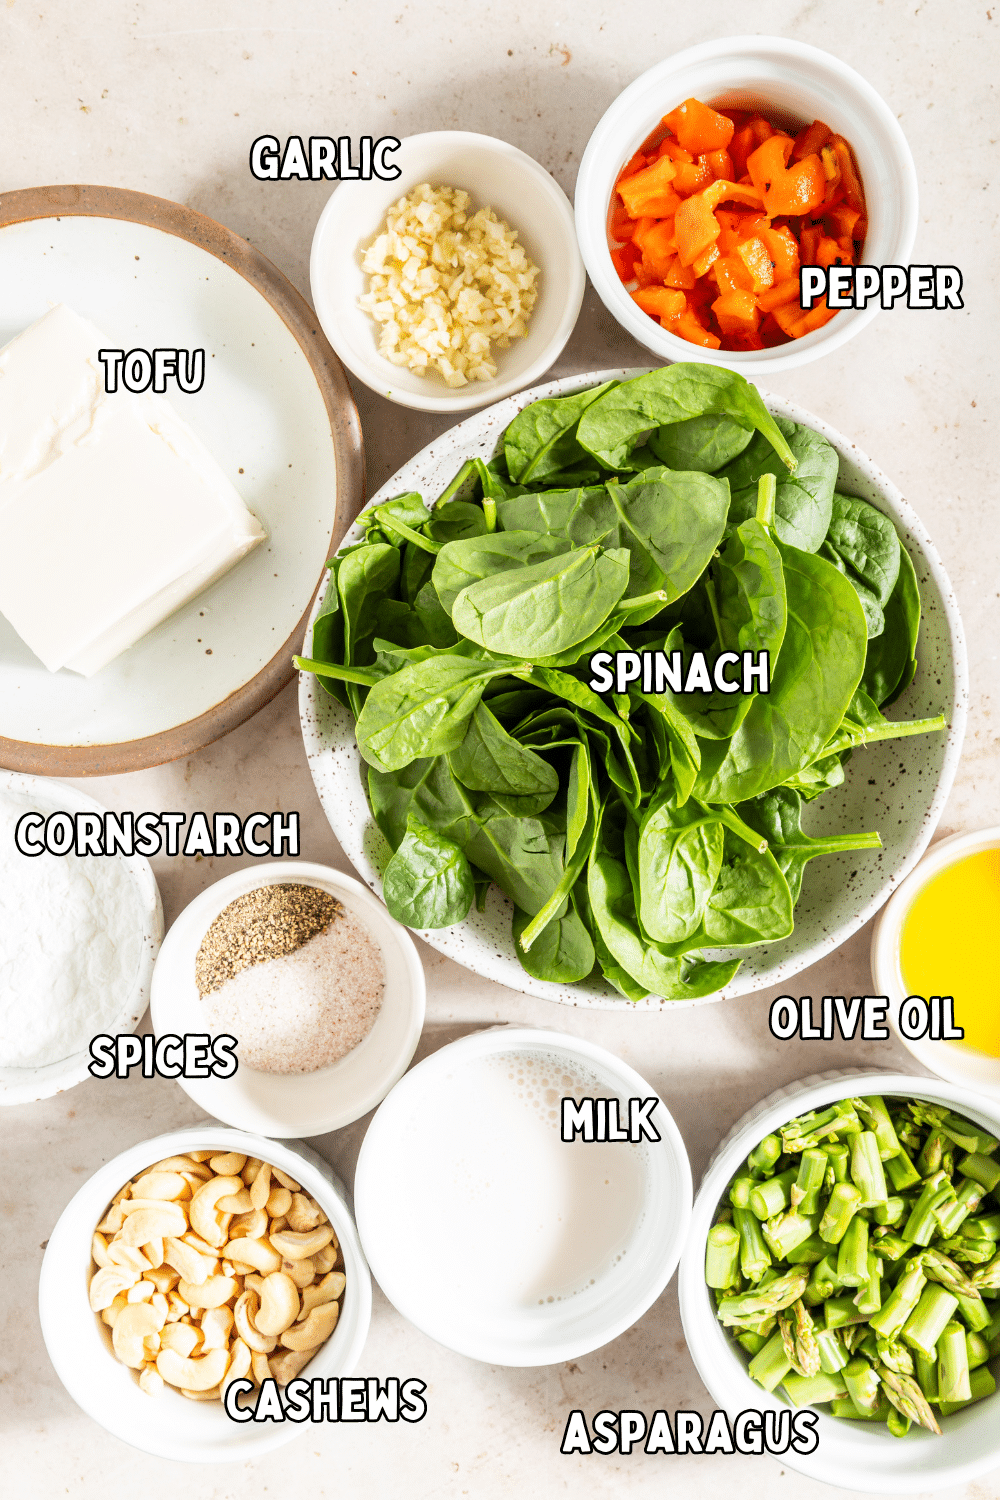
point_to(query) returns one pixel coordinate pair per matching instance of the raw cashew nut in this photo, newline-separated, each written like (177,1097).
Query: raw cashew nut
(285,1366)
(165,1278)
(206,1220)
(183,1164)
(252,1225)
(279,1304)
(192,1374)
(154,1223)
(286,1181)
(99,1250)
(327,1290)
(192,1267)
(261,1368)
(151,1381)
(261,1186)
(239,1364)
(197,1243)
(324,1260)
(251,1169)
(246,1307)
(302,1272)
(211,1293)
(229,1164)
(279,1201)
(294,1246)
(302,1214)
(133,1325)
(110,1314)
(236,1203)
(113,1220)
(180,1337)
(317,1327)
(120,1254)
(153,1251)
(216,1325)
(257,1253)
(162,1185)
(143,1291)
(107,1284)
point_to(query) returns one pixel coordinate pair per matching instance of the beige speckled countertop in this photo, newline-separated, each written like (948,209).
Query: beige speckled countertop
(166,98)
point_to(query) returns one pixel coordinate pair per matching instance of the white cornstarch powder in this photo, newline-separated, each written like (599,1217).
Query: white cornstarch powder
(70,946)
(306,1009)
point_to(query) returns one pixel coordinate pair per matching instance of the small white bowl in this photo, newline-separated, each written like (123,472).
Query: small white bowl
(951,1060)
(293,1104)
(79,1344)
(855,1455)
(497,176)
(795,84)
(25,1085)
(552,1330)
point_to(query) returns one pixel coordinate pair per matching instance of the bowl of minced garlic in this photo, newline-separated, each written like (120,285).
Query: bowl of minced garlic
(454,283)
(319,993)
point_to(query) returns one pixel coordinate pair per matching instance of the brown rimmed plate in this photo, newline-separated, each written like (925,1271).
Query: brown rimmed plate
(275,411)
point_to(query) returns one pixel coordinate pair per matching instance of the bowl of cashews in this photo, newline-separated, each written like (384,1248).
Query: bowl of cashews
(200,1259)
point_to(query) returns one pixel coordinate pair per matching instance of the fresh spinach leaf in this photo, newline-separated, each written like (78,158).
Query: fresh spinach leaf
(545,607)
(328,634)
(867,542)
(423,709)
(815,677)
(434,617)
(490,760)
(469,561)
(541,439)
(891,663)
(777,815)
(704,444)
(562,953)
(523,855)
(611,426)
(679,861)
(456,521)
(365,577)
(804,499)
(427,882)
(674,520)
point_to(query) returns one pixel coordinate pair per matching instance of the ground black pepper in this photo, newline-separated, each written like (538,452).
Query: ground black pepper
(266,923)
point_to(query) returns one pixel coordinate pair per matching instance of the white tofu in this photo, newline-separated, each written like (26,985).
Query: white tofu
(113,513)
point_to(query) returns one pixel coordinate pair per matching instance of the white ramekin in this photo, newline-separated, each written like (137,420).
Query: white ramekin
(25,1085)
(559,1330)
(79,1344)
(498,176)
(796,84)
(951,1060)
(295,1104)
(855,1455)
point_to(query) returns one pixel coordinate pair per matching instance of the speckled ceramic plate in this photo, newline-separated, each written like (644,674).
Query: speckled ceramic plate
(275,412)
(899,787)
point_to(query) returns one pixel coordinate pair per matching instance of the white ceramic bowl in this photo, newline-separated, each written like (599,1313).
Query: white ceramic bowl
(841,892)
(23,1085)
(293,1104)
(497,176)
(793,84)
(855,1455)
(549,1331)
(79,1344)
(951,1060)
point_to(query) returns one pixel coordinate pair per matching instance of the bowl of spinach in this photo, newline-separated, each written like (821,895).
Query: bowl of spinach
(645,848)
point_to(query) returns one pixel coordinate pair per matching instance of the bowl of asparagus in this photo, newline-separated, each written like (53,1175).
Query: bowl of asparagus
(843,1256)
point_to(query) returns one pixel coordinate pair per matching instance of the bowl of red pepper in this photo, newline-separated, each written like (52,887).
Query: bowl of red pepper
(722,172)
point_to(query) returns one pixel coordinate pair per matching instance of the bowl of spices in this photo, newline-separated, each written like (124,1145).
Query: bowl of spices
(305,971)
(78,936)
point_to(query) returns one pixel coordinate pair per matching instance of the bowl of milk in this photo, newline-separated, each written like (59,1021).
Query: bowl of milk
(523,1196)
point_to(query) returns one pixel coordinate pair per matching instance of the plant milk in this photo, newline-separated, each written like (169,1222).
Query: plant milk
(496,1212)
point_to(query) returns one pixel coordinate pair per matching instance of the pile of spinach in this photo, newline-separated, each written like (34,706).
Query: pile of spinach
(633,833)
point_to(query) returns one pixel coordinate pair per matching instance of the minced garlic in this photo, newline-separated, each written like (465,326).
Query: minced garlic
(446,287)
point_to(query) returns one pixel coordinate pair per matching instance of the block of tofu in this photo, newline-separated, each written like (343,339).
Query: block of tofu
(113,513)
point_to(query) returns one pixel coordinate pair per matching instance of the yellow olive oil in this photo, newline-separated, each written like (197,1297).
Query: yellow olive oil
(950,945)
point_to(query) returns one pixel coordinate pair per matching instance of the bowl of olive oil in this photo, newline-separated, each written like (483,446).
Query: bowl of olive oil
(938,940)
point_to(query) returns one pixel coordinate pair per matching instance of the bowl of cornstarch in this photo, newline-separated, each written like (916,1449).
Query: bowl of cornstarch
(299,977)
(78,935)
